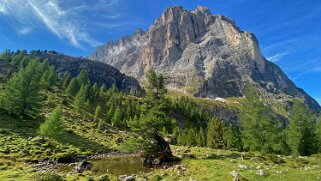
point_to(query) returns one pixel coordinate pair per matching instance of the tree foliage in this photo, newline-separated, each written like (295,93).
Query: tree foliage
(53,126)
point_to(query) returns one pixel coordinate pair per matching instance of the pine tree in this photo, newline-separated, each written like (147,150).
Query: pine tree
(22,91)
(53,126)
(202,137)
(300,133)
(94,92)
(65,81)
(102,90)
(97,112)
(117,118)
(232,138)
(110,114)
(260,130)
(190,138)
(152,118)
(72,88)
(81,98)
(215,134)
(48,78)
(82,78)
(198,141)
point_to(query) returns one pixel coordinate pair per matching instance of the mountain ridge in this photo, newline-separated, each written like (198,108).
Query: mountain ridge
(200,54)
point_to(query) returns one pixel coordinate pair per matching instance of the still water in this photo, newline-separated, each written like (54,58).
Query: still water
(116,165)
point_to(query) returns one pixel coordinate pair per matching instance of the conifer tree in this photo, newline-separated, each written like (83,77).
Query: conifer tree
(202,137)
(81,98)
(53,126)
(232,138)
(300,133)
(94,92)
(48,78)
(97,112)
(215,132)
(82,78)
(152,118)
(116,120)
(22,91)
(259,128)
(72,88)
(65,81)
(110,113)
(190,137)
(102,90)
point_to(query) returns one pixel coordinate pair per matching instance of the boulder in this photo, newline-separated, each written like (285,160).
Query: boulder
(84,165)
(162,154)
(119,140)
(126,178)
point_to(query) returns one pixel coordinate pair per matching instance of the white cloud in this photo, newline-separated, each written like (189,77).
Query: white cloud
(65,19)
(277,57)
(24,31)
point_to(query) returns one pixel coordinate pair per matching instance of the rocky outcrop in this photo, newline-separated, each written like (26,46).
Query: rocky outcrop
(200,54)
(81,167)
(162,153)
(98,72)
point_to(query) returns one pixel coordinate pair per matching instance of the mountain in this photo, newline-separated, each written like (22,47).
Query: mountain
(200,54)
(98,72)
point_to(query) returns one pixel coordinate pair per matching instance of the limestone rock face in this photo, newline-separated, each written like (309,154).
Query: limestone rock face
(200,54)
(98,72)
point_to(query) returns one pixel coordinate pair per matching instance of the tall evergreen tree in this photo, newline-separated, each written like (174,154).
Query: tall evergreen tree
(110,114)
(97,112)
(202,137)
(82,78)
(152,118)
(215,132)
(300,133)
(22,91)
(232,138)
(72,88)
(117,118)
(259,128)
(81,98)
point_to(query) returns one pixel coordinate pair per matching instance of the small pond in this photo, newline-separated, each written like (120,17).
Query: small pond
(116,165)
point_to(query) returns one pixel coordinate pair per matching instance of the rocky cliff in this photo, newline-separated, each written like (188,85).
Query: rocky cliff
(98,72)
(200,54)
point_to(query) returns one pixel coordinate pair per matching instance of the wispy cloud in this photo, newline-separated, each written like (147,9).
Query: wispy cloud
(277,57)
(62,18)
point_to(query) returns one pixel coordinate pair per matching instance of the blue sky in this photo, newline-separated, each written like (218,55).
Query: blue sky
(289,31)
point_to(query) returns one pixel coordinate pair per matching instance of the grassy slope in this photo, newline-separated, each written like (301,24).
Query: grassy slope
(82,137)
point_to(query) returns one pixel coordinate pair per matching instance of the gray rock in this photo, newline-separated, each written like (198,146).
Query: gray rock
(126,178)
(200,54)
(242,167)
(235,176)
(261,172)
(85,165)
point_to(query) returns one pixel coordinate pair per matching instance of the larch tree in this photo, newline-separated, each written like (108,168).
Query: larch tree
(301,136)
(22,91)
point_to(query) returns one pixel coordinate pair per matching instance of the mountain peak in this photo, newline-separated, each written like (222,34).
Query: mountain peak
(203,55)
(203,10)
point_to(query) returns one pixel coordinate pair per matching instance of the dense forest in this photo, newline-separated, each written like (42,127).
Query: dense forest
(33,87)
